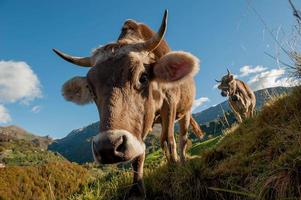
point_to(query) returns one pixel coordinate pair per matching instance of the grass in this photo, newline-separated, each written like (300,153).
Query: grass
(259,159)
(34,173)
(198,148)
(45,181)
(24,153)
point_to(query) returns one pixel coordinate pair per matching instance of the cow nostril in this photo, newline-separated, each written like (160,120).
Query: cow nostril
(121,145)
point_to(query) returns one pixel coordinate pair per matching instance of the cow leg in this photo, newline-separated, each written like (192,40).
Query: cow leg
(251,111)
(245,114)
(237,115)
(168,115)
(184,125)
(137,191)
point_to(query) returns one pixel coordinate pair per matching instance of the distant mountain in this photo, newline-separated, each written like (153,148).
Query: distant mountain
(13,133)
(262,96)
(76,146)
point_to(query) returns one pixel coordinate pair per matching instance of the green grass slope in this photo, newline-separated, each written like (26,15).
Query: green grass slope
(259,159)
(53,180)
(25,153)
(32,172)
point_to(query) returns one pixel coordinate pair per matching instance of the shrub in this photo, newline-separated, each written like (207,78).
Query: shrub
(47,181)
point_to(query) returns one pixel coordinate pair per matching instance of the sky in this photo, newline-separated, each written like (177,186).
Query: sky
(234,34)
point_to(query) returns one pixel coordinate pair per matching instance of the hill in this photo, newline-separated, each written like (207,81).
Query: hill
(9,133)
(76,145)
(29,171)
(259,159)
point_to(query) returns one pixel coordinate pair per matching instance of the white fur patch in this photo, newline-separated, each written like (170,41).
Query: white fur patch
(111,50)
(76,90)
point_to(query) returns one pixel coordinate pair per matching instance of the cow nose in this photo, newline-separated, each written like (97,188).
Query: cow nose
(110,150)
(224,93)
(116,146)
(120,146)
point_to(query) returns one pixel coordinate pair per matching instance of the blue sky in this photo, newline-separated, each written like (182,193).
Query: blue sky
(221,33)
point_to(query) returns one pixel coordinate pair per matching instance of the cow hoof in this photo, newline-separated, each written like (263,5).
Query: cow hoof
(137,192)
(183,161)
(172,161)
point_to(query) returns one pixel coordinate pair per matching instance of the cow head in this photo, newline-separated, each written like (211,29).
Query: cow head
(126,82)
(227,85)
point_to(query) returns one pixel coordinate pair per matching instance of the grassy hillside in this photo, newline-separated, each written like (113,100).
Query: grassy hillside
(260,159)
(13,133)
(53,180)
(32,172)
(25,153)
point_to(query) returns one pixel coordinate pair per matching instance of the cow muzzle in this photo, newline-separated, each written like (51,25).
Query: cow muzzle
(116,146)
(224,93)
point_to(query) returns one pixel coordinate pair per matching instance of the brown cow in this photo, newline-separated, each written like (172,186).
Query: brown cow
(132,32)
(131,81)
(242,99)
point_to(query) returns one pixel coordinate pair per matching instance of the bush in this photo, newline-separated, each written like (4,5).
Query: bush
(54,180)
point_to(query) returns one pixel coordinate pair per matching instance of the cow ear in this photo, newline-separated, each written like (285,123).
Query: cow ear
(76,90)
(231,77)
(175,66)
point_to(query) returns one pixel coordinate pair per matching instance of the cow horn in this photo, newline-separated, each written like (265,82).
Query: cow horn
(155,41)
(229,73)
(218,81)
(81,61)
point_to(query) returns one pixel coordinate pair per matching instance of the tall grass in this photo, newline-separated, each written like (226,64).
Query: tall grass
(53,180)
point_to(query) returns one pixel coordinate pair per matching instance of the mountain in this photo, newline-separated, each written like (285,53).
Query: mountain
(14,133)
(76,146)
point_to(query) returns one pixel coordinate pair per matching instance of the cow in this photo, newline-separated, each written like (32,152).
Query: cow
(242,99)
(133,31)
(133,82)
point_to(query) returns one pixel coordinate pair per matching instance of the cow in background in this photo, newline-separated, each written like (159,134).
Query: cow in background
(242,99)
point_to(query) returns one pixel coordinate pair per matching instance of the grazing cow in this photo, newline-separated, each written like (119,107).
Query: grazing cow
(242,99)
(133,82)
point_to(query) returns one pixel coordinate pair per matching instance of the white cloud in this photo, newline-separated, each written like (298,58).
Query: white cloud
(18,82)
(270,78)
(247,70)
(4,115)
(199,102)
(36,109)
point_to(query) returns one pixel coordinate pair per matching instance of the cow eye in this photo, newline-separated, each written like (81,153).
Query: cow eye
(143,79)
